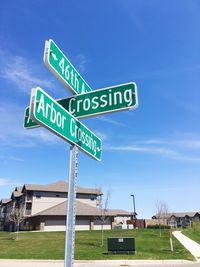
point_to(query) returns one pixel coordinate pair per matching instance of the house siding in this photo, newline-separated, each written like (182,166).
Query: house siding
(46,200)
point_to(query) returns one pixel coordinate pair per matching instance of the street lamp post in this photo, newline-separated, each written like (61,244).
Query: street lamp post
(134,211)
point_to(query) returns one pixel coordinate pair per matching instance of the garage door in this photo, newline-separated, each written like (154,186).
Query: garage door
(82,225)
(106,225)
(55,225)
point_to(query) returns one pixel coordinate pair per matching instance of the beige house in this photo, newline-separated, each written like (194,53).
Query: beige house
(177,219)
(45,208)
(182,219)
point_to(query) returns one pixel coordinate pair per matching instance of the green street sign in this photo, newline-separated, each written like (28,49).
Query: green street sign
(62,68)
(111,99)
(48,113)
(28,123)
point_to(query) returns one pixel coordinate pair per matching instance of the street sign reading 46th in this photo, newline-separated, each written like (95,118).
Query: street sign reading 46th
(48,113)
(60,65)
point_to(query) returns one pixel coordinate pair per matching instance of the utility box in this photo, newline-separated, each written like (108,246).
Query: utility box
(121,245)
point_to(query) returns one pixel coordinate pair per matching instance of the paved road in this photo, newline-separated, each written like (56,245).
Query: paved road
(26,263)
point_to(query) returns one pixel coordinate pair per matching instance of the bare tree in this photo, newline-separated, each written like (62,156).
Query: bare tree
(165,214)
(161,214)
(103,213)
(16,216)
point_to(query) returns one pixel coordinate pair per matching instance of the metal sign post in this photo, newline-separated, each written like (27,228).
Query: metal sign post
(71,208)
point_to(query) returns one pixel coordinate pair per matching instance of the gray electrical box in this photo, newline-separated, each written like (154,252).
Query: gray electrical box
(121,245)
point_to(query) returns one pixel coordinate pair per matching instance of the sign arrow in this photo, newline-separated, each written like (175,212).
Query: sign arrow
(54,56)
(62,68)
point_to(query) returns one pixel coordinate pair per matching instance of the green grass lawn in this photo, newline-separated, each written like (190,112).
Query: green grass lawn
(50,245)
(193,234)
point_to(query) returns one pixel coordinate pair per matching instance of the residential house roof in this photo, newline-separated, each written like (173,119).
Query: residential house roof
(17,192)
(61,210)
(183,214)
(82,209)
(60,186)
(5,201)
(117,212)
(178,214)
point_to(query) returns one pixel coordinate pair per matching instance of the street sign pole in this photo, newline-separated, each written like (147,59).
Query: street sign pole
(71,208)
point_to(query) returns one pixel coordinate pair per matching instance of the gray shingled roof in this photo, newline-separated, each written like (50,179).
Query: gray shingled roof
(183,214)
(17,192)
(6,200)
(82,209)
(179,214)
(60,186)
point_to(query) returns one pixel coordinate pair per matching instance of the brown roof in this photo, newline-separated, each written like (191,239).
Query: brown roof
(60,186)
(61,210)
(82,209)
(116,212)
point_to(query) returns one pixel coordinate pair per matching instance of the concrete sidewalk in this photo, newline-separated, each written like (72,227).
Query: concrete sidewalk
(103,263)
(189,244)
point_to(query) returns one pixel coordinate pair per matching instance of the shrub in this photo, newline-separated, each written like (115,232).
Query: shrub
(157,226)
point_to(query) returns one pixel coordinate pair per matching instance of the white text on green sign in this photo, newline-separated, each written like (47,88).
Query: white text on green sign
(107,100)
(112,99)
(60,65)
(48,113)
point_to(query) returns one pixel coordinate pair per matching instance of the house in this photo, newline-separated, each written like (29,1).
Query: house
(45,208)
(177,219)
(4,210)
(182,219)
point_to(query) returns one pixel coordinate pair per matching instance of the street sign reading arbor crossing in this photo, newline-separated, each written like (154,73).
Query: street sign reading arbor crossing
(48,113)
(60,65)
(112,99)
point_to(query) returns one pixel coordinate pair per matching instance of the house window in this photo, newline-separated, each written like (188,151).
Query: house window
(57,195)
(92,197)
(38,195)
(28,206)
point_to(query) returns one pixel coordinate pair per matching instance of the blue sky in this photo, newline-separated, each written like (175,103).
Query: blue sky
(152,152)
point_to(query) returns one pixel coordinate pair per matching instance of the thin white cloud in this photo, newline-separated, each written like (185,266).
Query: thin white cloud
(151,150)
(113,122)
(5,182)
(101,135)
(81,59)
(167,72)
(12,133)
(173,148)
(22,73)
(191,144)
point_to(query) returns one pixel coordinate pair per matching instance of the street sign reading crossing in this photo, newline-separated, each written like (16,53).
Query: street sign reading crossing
(48,113)
(111,99)
(60,65)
